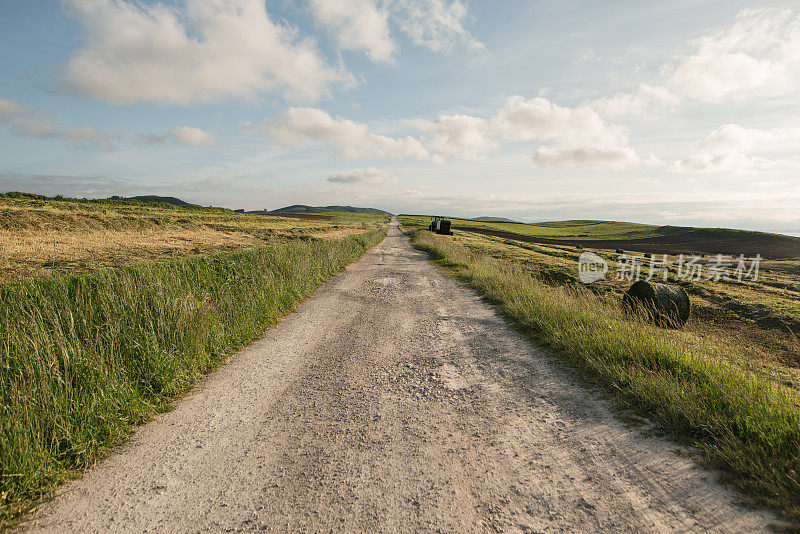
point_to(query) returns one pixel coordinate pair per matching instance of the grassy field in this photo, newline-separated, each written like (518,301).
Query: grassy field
(43,236)
(727,382)
(643,238)
(764,313)
(560,229)
(93,347)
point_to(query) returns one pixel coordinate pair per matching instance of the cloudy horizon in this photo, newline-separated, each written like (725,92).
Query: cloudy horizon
(682,114)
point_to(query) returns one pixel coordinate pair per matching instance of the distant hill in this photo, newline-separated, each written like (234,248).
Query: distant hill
(155,198)
(641,238)
(302,208)
(493,219)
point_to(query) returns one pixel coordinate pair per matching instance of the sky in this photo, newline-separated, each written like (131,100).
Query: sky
(680,112)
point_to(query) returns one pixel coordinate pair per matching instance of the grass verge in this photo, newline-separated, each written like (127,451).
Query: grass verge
(85,358)
(743,423)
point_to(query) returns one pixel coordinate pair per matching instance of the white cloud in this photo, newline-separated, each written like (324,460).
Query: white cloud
(182,135)
(729,147)
(198,51)
(150,139)
(459,136)
(353,140)
(356,25)
(10,109)
(436,24)
(610,157)
(88,137)
(523,119)
(643,101)
(582,138)
(34,126)
(25,121)
(708,162)
(758,54)
(368,176)
(732,138)
(194,137)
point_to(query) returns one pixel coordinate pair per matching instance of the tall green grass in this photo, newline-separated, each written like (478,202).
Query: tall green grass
(84,358)
(744,423)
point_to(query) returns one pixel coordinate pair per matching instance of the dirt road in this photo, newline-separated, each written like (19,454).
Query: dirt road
(394,400)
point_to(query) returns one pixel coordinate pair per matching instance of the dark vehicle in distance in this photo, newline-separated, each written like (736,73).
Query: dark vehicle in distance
(440,225)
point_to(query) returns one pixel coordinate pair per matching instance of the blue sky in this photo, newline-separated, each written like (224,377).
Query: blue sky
(662,112)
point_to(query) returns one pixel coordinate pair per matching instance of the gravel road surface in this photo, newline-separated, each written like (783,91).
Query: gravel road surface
(394,400)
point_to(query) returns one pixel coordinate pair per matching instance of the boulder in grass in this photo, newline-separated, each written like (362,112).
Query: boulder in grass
(667,305)
(620,251)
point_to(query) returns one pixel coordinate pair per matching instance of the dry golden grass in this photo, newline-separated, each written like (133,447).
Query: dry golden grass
(41,237)
(42,253)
